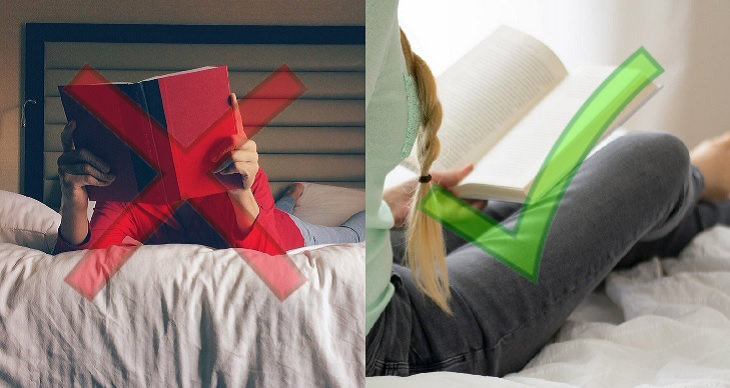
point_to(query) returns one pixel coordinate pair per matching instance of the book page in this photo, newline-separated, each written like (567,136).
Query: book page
(515,159)
(488,90)
(179,73)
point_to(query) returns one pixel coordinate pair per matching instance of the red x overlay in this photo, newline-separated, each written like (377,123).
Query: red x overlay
(125,117)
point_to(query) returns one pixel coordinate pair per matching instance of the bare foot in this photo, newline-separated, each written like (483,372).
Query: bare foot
(712,157)
(295,191)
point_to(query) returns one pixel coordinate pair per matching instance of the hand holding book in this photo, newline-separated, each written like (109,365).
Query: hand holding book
(156,134)
(399,198)
(78,168)
(243,158)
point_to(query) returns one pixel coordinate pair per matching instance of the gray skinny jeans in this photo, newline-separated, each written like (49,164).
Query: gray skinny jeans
(634,199)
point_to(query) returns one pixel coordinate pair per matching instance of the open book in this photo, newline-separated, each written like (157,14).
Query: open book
(185,115)
(505,104)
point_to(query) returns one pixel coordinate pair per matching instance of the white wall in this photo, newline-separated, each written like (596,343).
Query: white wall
(14,13)
(690,39)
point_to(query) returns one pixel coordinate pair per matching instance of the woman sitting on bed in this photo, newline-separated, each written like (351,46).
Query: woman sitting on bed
(247,217)
(450,306)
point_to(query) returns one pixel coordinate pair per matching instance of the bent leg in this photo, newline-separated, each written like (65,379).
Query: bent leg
(637,186)
(286,204)
(702,216)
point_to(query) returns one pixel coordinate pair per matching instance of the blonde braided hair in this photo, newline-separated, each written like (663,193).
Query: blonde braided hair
(425,252)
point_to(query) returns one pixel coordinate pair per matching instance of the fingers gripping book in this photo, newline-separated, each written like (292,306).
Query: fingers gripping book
(185,117)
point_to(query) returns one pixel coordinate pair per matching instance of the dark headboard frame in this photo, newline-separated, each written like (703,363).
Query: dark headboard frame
(37,34)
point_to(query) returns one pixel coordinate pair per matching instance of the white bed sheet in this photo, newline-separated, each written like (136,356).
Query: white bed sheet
(177,315)
(663,323)
(182,316)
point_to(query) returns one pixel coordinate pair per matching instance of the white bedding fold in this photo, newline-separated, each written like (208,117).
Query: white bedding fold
(675,331)
(182,315)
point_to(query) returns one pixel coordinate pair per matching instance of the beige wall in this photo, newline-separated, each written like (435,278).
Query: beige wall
(16,13)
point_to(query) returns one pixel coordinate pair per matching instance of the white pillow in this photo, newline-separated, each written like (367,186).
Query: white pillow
(27,222)
(328,205)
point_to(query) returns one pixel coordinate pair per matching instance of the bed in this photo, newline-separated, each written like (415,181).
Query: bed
(174,315)
(188,315)
(663,323)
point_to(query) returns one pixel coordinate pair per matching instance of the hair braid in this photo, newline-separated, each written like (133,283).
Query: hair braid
(425,252)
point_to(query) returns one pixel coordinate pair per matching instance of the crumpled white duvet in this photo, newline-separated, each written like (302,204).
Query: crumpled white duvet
(673,330)
(182,316)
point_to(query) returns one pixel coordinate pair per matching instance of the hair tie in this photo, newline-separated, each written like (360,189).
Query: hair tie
(424,178)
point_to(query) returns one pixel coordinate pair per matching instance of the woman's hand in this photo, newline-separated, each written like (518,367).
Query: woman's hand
(78,169)
(399,198)
(244,159)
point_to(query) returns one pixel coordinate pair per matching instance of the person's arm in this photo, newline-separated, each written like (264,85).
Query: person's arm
(238,225)
(244,161)
(74,228)
(111,222)
(251,208)
(76,170)
(261,232)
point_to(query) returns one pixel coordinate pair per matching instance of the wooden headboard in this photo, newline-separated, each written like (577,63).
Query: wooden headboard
(319,138)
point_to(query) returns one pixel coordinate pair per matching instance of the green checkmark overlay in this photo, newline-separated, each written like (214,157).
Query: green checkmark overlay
(521,248)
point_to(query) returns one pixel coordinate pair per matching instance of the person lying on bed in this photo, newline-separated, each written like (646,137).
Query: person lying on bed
(249,216)
(450,306)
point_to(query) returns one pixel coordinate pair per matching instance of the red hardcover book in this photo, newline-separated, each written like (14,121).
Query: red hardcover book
(158,134)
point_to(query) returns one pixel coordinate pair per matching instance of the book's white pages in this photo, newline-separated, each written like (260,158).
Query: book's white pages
(505,104)
(489,89)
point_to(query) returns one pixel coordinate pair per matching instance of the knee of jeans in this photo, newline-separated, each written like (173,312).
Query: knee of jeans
(356,223)
(661,158)
(359,232)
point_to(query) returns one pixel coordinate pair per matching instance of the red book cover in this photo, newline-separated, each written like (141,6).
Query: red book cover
(157,134)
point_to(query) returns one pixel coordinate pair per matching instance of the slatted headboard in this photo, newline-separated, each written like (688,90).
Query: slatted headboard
(319,138)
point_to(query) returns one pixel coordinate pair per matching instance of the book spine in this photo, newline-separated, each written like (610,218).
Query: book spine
(142,172)
(153,105)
